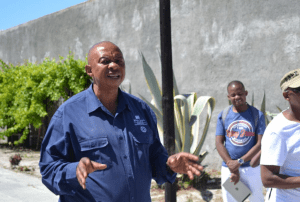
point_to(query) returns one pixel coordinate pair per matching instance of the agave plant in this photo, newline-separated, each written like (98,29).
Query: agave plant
(263,109)
(187,111)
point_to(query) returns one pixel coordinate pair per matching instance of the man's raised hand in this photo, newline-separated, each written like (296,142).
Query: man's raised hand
(185,163)
(85,167)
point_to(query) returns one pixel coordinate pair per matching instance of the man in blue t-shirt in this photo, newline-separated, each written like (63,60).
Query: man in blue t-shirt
(242,136)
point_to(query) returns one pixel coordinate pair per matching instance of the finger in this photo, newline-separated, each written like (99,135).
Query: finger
(194,170)
(82,183)
(189,156)
(233,180)
(190,175)
(80,178)
(197,166)
(84,166)
(82,170)
(98,166)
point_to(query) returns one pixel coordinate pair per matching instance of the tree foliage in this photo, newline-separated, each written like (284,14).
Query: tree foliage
(27,89)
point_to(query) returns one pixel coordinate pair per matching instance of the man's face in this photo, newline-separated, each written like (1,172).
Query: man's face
(294,97)
(237,95)
(107,66)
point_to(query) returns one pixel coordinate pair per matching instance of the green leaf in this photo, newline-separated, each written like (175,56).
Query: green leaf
(197,110)
(152,84)
(186,129)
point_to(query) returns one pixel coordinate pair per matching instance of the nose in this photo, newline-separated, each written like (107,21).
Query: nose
(113,65)
(237,97)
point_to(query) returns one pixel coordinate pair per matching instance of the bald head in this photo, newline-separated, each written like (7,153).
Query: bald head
(98,47)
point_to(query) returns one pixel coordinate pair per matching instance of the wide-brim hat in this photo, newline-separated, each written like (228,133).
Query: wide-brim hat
(290,79)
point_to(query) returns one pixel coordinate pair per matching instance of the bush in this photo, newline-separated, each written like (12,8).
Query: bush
(28,91)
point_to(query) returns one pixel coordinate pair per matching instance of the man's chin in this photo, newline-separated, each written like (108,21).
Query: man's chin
(239,105)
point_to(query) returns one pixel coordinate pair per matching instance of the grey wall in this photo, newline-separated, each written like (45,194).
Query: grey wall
(214,42)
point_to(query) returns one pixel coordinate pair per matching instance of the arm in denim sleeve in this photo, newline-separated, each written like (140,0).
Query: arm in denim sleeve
(159,157)
(57,164)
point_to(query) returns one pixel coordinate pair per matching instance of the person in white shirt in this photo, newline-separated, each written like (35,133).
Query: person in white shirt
(280,148)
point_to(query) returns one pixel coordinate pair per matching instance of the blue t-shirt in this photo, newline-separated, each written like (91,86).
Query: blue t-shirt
(127,142)
(240,132)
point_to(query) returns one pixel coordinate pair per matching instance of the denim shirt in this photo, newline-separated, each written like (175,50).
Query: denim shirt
(127,142)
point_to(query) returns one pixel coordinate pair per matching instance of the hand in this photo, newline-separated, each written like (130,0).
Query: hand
(185,163)
(235,177)
(233,165)
(85,167)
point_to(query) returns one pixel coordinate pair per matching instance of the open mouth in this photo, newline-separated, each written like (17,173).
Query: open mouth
(113,76)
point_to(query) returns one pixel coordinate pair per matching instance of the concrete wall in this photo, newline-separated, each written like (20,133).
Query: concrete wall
(214,42)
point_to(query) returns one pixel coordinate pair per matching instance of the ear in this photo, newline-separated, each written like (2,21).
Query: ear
(88,70)
(286,95)
(246,92)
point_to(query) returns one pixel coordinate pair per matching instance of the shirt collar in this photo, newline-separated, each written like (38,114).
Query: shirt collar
(93,103)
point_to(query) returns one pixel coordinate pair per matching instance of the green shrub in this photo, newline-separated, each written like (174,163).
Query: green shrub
(27,90)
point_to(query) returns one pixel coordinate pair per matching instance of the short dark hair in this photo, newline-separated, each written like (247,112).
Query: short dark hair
(235,82)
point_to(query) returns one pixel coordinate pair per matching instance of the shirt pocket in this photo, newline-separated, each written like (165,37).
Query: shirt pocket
(97,150)
(141,141)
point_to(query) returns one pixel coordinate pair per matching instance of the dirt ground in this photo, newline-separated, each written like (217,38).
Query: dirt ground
(209,189)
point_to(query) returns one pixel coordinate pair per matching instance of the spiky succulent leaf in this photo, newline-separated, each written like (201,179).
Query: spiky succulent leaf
(186,129)
(152,83)
(198,139)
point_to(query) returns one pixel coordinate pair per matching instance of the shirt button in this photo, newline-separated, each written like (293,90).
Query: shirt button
(125,157)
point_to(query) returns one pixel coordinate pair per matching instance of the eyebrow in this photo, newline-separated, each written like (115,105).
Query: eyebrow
(117,56)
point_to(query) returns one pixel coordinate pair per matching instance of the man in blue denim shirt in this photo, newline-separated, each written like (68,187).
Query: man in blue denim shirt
(102,144)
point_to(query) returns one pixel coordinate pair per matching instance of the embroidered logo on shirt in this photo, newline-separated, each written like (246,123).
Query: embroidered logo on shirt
(139,122)
(240,132)
(143,129)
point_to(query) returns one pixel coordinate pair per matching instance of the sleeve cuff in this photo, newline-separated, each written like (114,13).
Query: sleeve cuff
(71,177)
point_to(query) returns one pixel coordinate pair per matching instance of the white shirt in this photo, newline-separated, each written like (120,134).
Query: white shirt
(281,147)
